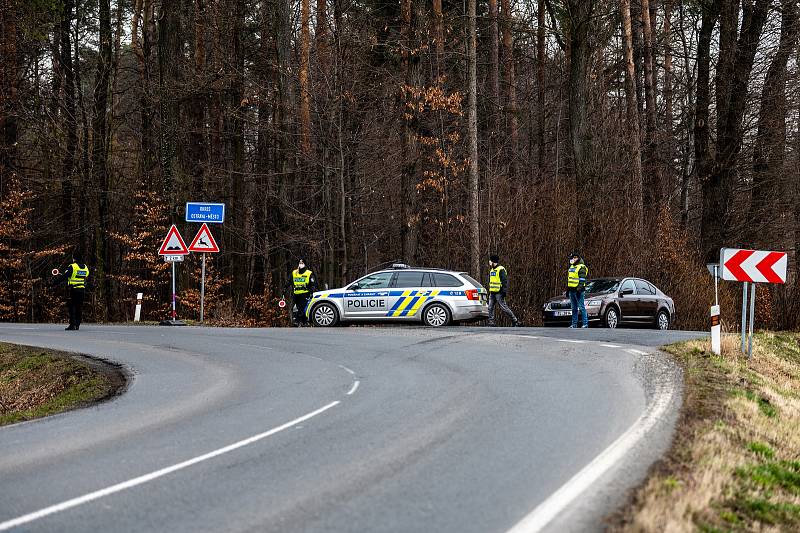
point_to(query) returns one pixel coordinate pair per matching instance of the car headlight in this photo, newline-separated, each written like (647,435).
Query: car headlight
(593,303)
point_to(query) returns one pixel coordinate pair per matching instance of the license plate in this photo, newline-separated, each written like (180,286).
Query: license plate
(562,313)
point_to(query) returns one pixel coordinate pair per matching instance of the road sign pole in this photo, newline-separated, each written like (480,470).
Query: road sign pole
(716,284)
(744,313)
(752,320)
(202,288)
(174,314)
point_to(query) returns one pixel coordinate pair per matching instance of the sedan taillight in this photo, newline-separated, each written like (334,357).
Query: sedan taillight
(472,294)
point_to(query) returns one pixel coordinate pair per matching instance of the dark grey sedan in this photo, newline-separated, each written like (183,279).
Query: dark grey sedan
(613,302)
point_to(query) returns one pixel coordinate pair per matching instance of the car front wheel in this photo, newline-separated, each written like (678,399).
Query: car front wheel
(436,315)
(662,321)
(325,315)
(611,319)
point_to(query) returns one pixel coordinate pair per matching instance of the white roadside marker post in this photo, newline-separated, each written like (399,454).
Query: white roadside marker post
(744,314)
(137,316)
(752,320)
(716,333)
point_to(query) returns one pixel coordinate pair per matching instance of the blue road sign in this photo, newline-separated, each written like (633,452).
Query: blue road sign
(204,212)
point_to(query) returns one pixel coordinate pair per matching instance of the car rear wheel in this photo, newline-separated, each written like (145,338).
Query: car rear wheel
(662,321)
(436,315)
(611,320)
(325,315)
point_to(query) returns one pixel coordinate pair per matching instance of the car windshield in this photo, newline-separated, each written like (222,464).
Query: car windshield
(602,286)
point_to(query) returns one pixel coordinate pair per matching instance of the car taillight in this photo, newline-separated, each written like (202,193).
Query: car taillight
(472,294)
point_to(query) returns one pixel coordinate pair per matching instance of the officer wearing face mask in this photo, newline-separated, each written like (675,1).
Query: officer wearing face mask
(303,284)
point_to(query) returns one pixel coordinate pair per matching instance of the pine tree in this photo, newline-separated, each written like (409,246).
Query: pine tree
(143,270)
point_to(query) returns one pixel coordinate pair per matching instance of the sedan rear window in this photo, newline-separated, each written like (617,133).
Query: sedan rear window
(441,279)
(472,281)
(409,279)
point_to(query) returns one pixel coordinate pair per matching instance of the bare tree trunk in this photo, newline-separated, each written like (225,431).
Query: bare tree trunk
(9,86)
(321,32)
(703,164)
(653,187)
(718,190)
(540,58)
(511,89)
(410,148)
(580,23)
(305,95)
(668,144)
(100,153)
(770,197)
(472,132)
(69,116)
(494,66)
(635,187)
(197,151)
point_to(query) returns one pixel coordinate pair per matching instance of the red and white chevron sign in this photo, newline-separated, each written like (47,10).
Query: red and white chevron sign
(757,266)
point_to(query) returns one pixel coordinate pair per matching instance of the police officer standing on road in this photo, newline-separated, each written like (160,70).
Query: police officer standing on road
(303,285)
(576,284)
(498,288)
(76,276)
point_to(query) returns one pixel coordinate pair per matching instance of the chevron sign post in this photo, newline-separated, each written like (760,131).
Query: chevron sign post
(752,266)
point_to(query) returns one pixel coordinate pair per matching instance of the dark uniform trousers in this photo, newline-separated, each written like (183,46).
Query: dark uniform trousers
(498,298)
(301,301)
(75,306)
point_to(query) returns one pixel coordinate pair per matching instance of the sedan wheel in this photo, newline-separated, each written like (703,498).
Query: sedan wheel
(662,322)
(612,318)
(325,315)
(436,316)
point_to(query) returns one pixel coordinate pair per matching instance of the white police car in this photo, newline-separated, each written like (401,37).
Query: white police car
(402,294)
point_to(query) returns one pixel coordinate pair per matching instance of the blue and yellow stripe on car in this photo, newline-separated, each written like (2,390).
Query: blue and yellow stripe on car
(409,302)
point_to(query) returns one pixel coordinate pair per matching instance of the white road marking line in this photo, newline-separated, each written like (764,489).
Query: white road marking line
(526,336)
(356,383)
(540,517)
(636,352)
(255,346)
(611,345)
(571,340)
(346,369)
(86,498)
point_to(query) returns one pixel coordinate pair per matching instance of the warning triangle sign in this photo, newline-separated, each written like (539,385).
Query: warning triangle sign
(173,243)
(204,242)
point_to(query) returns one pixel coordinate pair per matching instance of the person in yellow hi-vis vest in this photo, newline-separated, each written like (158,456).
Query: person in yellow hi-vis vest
(302,284)
(498,288)
(576,283)
(76,275)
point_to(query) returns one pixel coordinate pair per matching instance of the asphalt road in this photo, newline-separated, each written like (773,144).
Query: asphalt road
(347,429)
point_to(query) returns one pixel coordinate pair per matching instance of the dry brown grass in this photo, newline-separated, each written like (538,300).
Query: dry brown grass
(735,462)
(36,383)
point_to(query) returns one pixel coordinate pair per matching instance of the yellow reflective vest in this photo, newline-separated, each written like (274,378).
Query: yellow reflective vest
(495,282)
(77,280)
(301,281)
(577,275)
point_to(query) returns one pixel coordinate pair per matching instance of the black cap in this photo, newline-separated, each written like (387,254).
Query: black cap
(77,257)
(494,258)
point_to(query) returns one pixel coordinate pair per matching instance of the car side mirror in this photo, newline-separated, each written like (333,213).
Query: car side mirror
(353,287)
(623,292)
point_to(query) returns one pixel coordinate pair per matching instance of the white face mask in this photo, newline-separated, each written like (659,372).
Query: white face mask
(301,266)
(573,261)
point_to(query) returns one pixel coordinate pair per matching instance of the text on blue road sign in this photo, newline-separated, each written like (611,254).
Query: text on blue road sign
(205,212)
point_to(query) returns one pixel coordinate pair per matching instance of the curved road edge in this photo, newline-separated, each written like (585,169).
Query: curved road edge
(604,485)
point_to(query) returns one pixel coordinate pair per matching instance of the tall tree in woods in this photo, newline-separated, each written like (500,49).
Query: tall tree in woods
(635,187)
(305,58)
(510,80)
(773,194)
(9,92)
(732,79)
(100,154)
(653,187)
(472,132)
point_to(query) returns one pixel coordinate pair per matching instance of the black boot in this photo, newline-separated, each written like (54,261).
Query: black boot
(70,328)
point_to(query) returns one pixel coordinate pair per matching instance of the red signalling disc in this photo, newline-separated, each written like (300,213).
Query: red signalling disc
(55,272)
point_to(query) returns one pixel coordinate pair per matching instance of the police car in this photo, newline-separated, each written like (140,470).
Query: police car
(402,294)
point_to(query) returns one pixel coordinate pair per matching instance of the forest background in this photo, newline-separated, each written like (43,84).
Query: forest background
(644,133)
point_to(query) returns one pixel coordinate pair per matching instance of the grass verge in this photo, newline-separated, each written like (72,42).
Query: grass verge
(35,382)
(735,462)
